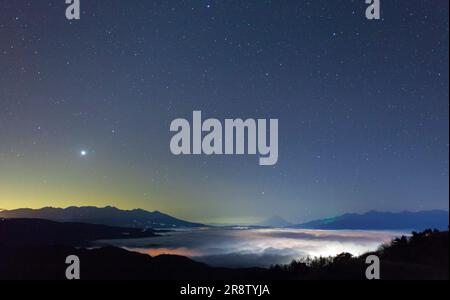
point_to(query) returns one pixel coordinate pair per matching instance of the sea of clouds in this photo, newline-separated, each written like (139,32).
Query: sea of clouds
(257,247)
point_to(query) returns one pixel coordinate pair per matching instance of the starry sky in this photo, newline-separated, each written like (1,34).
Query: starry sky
(85,106)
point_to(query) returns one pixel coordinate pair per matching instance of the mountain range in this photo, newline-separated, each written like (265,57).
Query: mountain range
(38,232)
(138,218)
(374,220)
(110,216)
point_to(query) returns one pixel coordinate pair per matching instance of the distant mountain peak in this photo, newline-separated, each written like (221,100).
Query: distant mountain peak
(275,221)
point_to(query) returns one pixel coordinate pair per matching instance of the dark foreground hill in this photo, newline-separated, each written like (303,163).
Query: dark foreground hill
(107,263)
(374,220)
(17,232)
(424,255)
(137,218)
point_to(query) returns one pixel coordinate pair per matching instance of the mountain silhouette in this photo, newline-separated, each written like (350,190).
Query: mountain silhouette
(375,220)
(111,216)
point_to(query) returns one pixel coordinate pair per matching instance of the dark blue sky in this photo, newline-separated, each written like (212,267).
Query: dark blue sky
(362,105)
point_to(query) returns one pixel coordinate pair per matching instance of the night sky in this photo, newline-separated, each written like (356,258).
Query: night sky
(362,105)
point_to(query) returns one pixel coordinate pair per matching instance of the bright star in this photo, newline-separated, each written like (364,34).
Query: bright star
(83,152)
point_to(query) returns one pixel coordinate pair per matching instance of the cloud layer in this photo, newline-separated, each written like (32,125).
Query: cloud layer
(259,247)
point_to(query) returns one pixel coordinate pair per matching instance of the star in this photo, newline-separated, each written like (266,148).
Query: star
(83,153)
